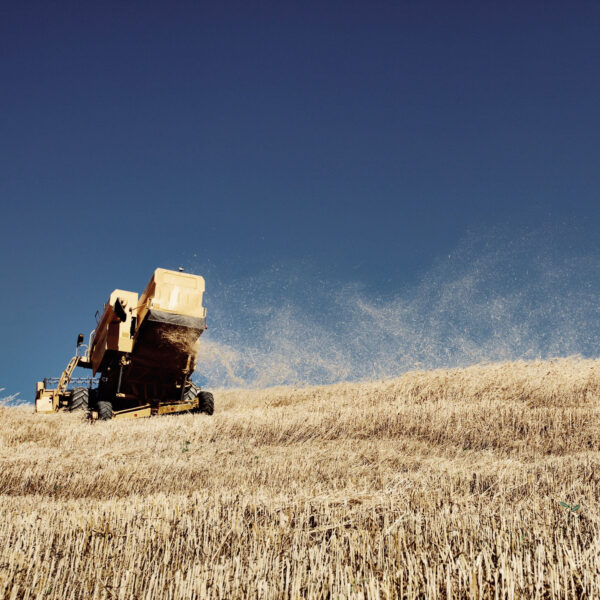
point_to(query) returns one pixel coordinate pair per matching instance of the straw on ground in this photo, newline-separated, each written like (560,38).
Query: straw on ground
(442,484)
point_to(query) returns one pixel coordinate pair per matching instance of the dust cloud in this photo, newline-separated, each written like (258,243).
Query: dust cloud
(491,299)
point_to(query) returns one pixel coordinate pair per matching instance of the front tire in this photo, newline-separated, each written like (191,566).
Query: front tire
(105,410)
(191,393)
(80,399)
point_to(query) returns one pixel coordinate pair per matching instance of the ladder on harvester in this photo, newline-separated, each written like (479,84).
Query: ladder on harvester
(65,378)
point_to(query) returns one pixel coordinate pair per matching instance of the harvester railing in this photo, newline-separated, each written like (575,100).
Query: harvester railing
(76,381)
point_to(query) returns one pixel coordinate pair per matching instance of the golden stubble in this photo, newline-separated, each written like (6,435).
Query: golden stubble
(439,484)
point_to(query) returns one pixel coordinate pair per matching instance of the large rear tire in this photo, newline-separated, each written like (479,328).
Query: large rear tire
(206,403)
(105,410)
(80,399)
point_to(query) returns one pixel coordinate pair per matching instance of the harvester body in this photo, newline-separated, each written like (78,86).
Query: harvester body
(144,350)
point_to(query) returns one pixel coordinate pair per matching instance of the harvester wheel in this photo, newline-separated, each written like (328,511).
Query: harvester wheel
(207,403)
(105,410)
(80,399)
(191,393)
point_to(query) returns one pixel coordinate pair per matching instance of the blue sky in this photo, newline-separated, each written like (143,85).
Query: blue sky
(355,143)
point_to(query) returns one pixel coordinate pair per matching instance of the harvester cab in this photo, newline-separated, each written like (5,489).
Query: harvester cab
(143,351)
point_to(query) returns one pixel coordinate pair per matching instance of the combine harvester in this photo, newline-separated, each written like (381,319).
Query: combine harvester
(144,349)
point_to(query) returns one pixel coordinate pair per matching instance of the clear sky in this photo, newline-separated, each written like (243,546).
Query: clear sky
(360,140)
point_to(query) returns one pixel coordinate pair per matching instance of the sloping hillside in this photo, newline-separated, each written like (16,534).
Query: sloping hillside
(448,483)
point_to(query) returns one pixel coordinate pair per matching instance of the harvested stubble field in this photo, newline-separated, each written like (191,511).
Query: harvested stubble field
(440,484)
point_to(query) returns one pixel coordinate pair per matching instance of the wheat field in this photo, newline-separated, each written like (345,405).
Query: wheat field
(470,483)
